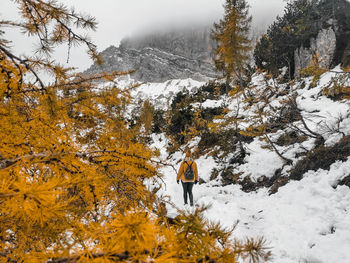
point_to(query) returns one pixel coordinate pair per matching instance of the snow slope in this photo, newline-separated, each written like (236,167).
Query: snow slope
(306,221)
(160,94)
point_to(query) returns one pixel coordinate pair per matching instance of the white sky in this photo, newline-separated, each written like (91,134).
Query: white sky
(119,18)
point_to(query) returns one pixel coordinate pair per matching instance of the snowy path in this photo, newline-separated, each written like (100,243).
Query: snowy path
(306,221)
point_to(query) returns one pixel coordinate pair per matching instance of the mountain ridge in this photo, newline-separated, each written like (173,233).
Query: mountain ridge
(160,56)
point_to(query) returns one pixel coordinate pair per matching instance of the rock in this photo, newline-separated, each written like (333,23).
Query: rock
(157,57)
(346,56)
(345,181)
(324,45)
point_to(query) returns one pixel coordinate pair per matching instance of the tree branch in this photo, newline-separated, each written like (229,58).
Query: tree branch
(116,256)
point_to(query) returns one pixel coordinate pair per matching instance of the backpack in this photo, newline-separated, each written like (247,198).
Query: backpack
(189,175)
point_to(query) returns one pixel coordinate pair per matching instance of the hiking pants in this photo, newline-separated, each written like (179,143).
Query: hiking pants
(187,186)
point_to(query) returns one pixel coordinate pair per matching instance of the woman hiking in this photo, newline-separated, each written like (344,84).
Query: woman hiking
(188,174)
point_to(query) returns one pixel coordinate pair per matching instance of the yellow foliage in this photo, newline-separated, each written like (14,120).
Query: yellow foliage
(146,117)
(231,34)
(346,69)
(314,69)
(71,171)
(338,87)
(253,131)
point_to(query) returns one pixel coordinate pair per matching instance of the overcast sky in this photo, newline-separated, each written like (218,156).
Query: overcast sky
(119,18)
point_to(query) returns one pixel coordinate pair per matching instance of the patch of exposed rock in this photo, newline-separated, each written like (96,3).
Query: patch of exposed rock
(324,46)
(161,56)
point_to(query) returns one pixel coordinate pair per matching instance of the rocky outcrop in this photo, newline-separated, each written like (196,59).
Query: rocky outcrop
(161,56)
(324,46)
(346,56)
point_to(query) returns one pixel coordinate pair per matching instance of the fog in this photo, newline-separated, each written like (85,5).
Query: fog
(120,18)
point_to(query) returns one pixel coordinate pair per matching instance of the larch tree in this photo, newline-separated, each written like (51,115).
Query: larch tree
(72,172)
(233,43)
(232,58)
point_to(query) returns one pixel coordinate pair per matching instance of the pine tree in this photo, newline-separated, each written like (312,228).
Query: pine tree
(231,34)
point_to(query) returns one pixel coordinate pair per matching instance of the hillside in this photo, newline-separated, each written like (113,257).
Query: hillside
(275,157)
(304,218)
(96,166)
(307,28)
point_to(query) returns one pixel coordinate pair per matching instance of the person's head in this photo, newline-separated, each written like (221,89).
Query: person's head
(188,155)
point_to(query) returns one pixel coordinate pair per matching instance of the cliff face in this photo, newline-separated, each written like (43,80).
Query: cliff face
(161,56)
(324,46)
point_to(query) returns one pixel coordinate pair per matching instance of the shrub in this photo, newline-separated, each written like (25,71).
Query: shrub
(322,157)
(208,140)
(228,176)
(345,181)
(159,122)
(290,138)
(338,88)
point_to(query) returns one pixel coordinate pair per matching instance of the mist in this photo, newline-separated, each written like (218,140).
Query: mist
(119,18)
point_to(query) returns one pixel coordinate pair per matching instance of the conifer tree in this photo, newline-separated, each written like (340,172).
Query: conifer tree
(146,116)
(231,34)
(232,58)
(301,21)
(71,170)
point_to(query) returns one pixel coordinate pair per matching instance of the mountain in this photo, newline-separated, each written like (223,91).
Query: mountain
(162,55)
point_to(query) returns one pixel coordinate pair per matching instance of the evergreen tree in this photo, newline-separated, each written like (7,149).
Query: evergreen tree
(231,34)
(302,20)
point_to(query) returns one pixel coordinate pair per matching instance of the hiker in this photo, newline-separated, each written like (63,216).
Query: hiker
(188,174)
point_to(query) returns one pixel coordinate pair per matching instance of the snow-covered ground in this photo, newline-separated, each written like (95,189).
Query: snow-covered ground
(160,94)
(306,221)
